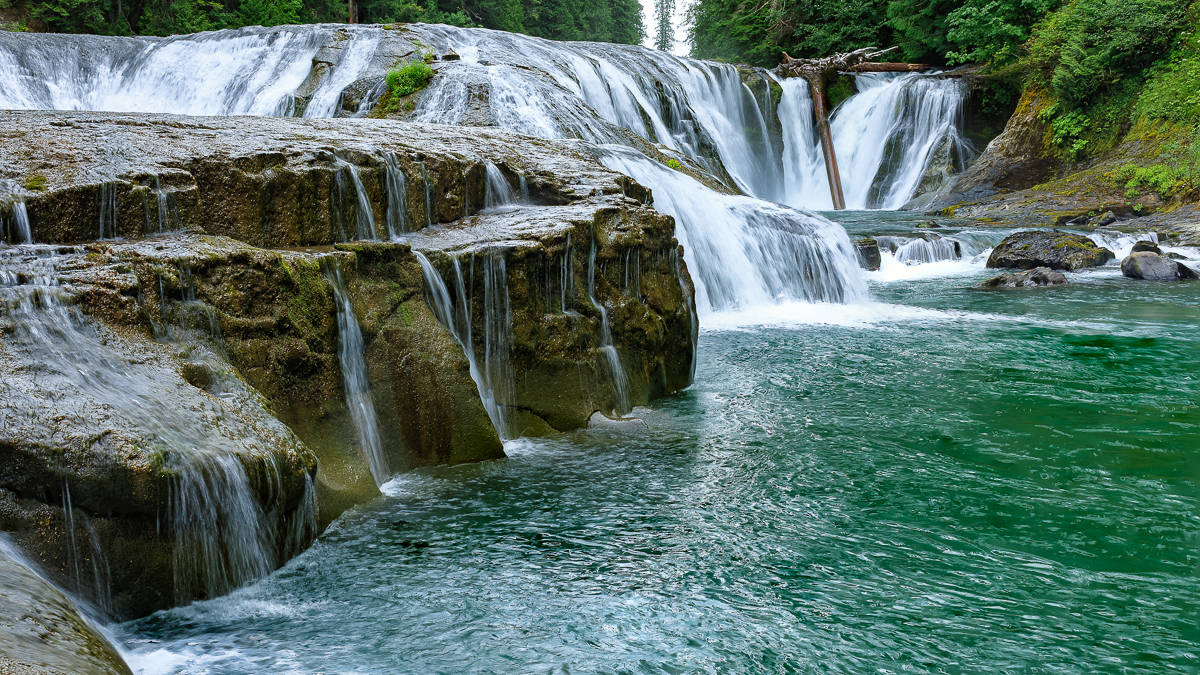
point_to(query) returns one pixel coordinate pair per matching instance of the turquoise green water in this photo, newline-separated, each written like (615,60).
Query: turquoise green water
(953,481)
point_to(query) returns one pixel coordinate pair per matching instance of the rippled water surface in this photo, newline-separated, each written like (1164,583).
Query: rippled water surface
(947,481)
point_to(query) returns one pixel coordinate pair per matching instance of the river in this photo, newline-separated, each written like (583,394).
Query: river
(939,480)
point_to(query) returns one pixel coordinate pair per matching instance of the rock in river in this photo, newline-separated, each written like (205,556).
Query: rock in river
(1152,266)
(868,253)
(1038,276)
(1056,250)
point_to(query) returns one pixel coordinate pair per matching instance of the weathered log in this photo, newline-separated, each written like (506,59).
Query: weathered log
(889,68)
(826,134)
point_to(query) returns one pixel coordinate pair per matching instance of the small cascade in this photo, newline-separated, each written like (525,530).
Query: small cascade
(493,375)
(498,191)
(425,183)
(14,228)
(525,190)
(745,252)
(167,218)
(326,101)
(915,251)
(354,375)
(348,187)
(619,379)
(1121,243)
(397,189)
(302,526)
(107,208)
(223,538)
(99,586)
(567,280)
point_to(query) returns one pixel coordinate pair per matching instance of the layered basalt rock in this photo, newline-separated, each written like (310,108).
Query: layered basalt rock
(229,325)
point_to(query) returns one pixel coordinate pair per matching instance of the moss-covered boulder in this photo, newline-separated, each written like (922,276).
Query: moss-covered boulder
(1055,250)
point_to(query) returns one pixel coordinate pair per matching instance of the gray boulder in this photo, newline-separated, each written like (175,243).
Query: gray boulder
(1108,218)
(1039,276)
(1153,267)
(1146,246)
(868,253)
(1056,250)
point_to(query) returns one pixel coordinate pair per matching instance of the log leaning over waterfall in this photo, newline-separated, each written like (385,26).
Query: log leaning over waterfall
(817,72)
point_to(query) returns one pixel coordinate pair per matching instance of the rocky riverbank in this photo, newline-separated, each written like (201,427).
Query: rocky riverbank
(1020,181)
(196,321)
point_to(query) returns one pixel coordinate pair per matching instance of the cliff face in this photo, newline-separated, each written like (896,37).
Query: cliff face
(200,371)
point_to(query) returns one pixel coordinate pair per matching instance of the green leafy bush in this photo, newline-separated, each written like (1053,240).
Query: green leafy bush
(674,164)
(409,78)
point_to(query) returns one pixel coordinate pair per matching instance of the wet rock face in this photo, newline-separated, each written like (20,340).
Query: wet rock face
(43,632)
(1055,250)
(1039,276)
(564,273)
(1151,266)
(222,367)
(270,181)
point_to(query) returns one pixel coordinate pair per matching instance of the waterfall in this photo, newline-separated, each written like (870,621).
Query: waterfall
(355,59)
(250,71)
(16,228)
(747,252)
(107,208)
(494,376)
(397,196)
(101,588)
(885,138)
(616,370)
(167,217)
(354,375)
(346,179)
(498,191)
(223,538)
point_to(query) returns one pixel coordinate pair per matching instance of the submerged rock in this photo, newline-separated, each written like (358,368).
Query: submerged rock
(1039,276)
(42,632)
(868,253)
(1056,250)
(1153,267)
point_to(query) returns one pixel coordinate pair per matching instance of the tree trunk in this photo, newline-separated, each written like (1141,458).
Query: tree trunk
(821,112)
(353,13)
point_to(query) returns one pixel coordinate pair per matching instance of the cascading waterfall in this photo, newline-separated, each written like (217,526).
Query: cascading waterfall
(747,252)
(616,370)
(493,376)
(893,138)
(348,187)
(107,208)
(251,71)
(355,59)
(497,190)
(16,228)
(397,196)
(223,538)
(885,138)
(167,217)
(354,375)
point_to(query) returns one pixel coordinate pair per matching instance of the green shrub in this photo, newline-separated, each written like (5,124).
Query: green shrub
(409,78)
(674,164)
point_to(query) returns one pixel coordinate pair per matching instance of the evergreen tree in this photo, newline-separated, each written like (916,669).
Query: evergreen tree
(664,32)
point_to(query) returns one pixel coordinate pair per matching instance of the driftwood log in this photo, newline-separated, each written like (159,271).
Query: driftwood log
(817,73)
